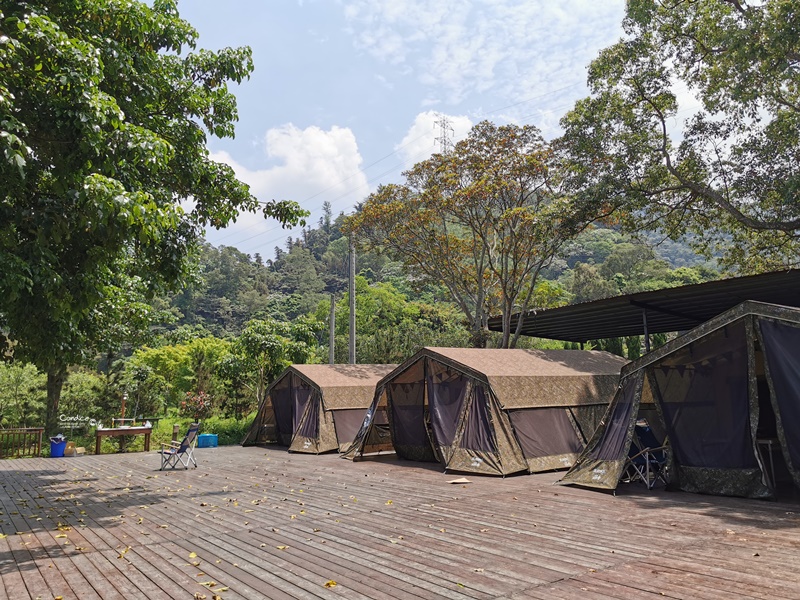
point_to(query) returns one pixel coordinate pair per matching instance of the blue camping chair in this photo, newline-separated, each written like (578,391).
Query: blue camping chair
(647,458)
(182,453)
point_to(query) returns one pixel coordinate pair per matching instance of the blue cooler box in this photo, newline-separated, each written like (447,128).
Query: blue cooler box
(207,440)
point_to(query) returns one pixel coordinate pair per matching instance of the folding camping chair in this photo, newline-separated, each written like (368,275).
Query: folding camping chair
(647,458)
(174,453)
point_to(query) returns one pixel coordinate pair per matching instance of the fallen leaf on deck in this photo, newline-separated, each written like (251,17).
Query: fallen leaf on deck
(389,503)
(282,547)
(460,480)
(61,535)
(208,583)
(330,584)
(192,554)
(199,596)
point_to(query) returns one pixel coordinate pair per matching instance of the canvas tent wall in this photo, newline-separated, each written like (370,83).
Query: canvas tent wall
(723,396)
(316,408)
(492,411)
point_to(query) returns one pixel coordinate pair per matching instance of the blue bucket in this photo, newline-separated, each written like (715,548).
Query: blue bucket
(57,448)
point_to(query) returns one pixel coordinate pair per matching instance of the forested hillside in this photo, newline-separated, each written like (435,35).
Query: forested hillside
(207,339)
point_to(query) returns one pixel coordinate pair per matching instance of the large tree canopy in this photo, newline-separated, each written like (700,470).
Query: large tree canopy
(105,107)
(728,171)
(481,221)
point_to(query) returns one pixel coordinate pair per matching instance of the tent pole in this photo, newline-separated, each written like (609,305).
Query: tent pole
(646,332)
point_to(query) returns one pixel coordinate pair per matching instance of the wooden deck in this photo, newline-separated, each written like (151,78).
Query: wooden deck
(261,523)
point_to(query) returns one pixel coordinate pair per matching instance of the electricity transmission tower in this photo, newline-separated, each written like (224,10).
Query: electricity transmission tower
(446,132)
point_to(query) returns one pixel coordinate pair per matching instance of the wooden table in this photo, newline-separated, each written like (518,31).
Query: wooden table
(120,431)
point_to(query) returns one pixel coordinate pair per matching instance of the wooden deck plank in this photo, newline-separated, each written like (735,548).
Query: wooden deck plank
(669,582)
(384,528)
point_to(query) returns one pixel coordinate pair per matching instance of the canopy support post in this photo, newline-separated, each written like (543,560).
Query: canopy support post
(646,332)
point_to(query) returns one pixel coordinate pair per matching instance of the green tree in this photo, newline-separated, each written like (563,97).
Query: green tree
(586,283)
(728,171)
(263,350)
(389,326)
(169,367)
(176,369)
(22,394)
(298,275)
(105,107)
(82,394)
(146,390)
(481,221)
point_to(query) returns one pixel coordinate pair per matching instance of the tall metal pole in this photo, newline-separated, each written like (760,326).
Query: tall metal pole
(332,336)
(352,289)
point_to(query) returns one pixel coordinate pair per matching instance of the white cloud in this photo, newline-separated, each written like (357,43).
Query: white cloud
(518,48)
(421,140)
(312,166)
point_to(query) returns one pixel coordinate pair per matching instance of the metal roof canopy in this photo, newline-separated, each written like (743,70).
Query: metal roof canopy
(659,311)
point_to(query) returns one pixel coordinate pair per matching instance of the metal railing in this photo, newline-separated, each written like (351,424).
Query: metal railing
(19,442)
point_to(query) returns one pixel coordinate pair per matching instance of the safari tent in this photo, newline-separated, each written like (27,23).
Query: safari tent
(316,408)
(724,397)
(489,410)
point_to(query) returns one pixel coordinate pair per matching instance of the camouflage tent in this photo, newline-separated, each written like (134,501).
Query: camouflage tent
(316,408)
(491,411)
(725,397)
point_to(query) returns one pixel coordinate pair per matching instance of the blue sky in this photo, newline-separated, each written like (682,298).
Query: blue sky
(345,93)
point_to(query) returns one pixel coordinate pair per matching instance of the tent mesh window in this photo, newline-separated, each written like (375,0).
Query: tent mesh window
(447,390)
(408,418)
(306,414)
(281,397)
(703,390)
(478,434)
(780,343)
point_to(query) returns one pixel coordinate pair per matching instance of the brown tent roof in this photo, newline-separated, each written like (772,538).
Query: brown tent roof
(527,378)
(343,386)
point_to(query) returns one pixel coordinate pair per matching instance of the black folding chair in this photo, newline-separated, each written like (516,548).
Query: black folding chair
(647,458)
(174,453)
